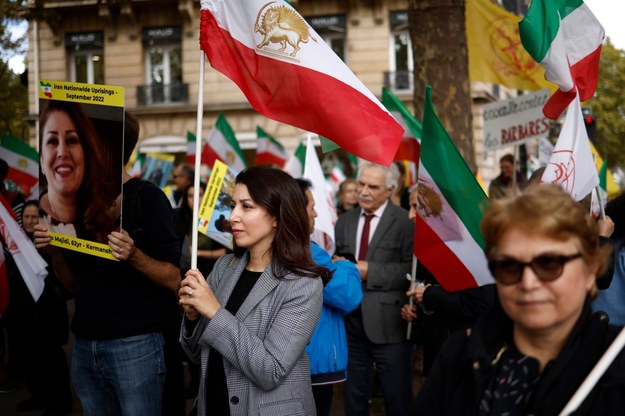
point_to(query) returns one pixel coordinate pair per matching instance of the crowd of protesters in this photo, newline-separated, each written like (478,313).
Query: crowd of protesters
(275,324)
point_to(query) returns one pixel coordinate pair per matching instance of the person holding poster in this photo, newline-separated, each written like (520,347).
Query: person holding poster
(249,322)
(76,196)
(123,308)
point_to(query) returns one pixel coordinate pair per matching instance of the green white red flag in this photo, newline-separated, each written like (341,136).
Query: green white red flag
(289,74)
(23,163)
(409,146)
(565,38)
(222,144)
(295,165)
(269,151)
(447,236)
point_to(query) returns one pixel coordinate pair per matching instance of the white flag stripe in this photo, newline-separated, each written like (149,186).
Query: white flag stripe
(580,44)
(324,205)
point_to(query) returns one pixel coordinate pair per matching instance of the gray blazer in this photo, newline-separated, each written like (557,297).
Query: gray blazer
(390,258)
(265,362)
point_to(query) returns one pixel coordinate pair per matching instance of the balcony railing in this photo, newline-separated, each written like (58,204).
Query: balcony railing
(399,81)
(177,93)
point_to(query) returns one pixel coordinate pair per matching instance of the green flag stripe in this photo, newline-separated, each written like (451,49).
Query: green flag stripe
(448,168)
(392,103)
(19,147)
(603,175)
(262,133)
(539,28)
(568,6)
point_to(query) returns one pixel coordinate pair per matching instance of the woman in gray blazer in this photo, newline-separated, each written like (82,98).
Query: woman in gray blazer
(248,324)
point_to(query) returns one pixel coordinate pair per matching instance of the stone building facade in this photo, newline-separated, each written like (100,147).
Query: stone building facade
(151,49)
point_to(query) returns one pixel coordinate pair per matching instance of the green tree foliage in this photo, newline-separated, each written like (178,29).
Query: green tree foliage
(12,14)
(13,94)
(608,105)
(13,103)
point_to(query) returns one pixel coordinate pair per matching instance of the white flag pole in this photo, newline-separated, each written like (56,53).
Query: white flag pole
(413,282)
(602,365)
(600,202)
(198,160)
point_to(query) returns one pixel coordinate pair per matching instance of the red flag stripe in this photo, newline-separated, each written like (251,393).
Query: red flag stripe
(268,158)
(408,150)
(439,259)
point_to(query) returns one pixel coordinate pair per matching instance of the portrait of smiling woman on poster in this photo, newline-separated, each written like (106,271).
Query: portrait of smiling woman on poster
(76,194)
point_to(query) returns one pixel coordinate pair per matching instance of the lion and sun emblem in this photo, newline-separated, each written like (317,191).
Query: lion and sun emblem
(281,24)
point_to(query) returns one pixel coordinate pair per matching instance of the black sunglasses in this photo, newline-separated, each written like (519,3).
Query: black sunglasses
(546,267)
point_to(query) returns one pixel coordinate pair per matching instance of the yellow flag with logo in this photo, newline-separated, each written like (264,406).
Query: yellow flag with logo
(496,54)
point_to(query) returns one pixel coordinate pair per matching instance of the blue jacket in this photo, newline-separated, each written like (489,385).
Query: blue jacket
(341,295)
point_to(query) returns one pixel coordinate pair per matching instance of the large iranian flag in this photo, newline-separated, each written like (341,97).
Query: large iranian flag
(447,237)
(23,163)
(565,38)
(289,74)
(222,144)
(269,151)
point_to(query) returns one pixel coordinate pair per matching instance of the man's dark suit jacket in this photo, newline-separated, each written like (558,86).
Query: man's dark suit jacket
(390,258)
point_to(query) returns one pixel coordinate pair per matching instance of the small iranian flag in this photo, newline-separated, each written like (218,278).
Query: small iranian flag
(23,163)
(565,38)
(409,145)
(295,165)
(447,236)
(269,150)
(289,74)
(223,145)
(208,155)
(191,141)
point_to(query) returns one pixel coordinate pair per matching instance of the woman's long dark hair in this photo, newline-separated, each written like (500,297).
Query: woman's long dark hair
(96,194)
(280,195)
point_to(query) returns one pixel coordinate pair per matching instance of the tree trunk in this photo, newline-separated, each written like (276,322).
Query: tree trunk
(439,44)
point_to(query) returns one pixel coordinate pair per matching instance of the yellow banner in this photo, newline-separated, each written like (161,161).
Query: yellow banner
(496,54)
(83,246)
(210,196)
(81,93)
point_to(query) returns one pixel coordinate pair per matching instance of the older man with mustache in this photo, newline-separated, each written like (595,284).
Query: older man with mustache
(380,236)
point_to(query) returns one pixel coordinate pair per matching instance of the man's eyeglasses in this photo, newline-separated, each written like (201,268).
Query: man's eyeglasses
(546,267)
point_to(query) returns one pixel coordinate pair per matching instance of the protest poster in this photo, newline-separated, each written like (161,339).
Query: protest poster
(81,130)
(157,167)
(516,120)
(215,208)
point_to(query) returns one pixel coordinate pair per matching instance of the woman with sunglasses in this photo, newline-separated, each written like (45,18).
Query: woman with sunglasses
(531,352)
